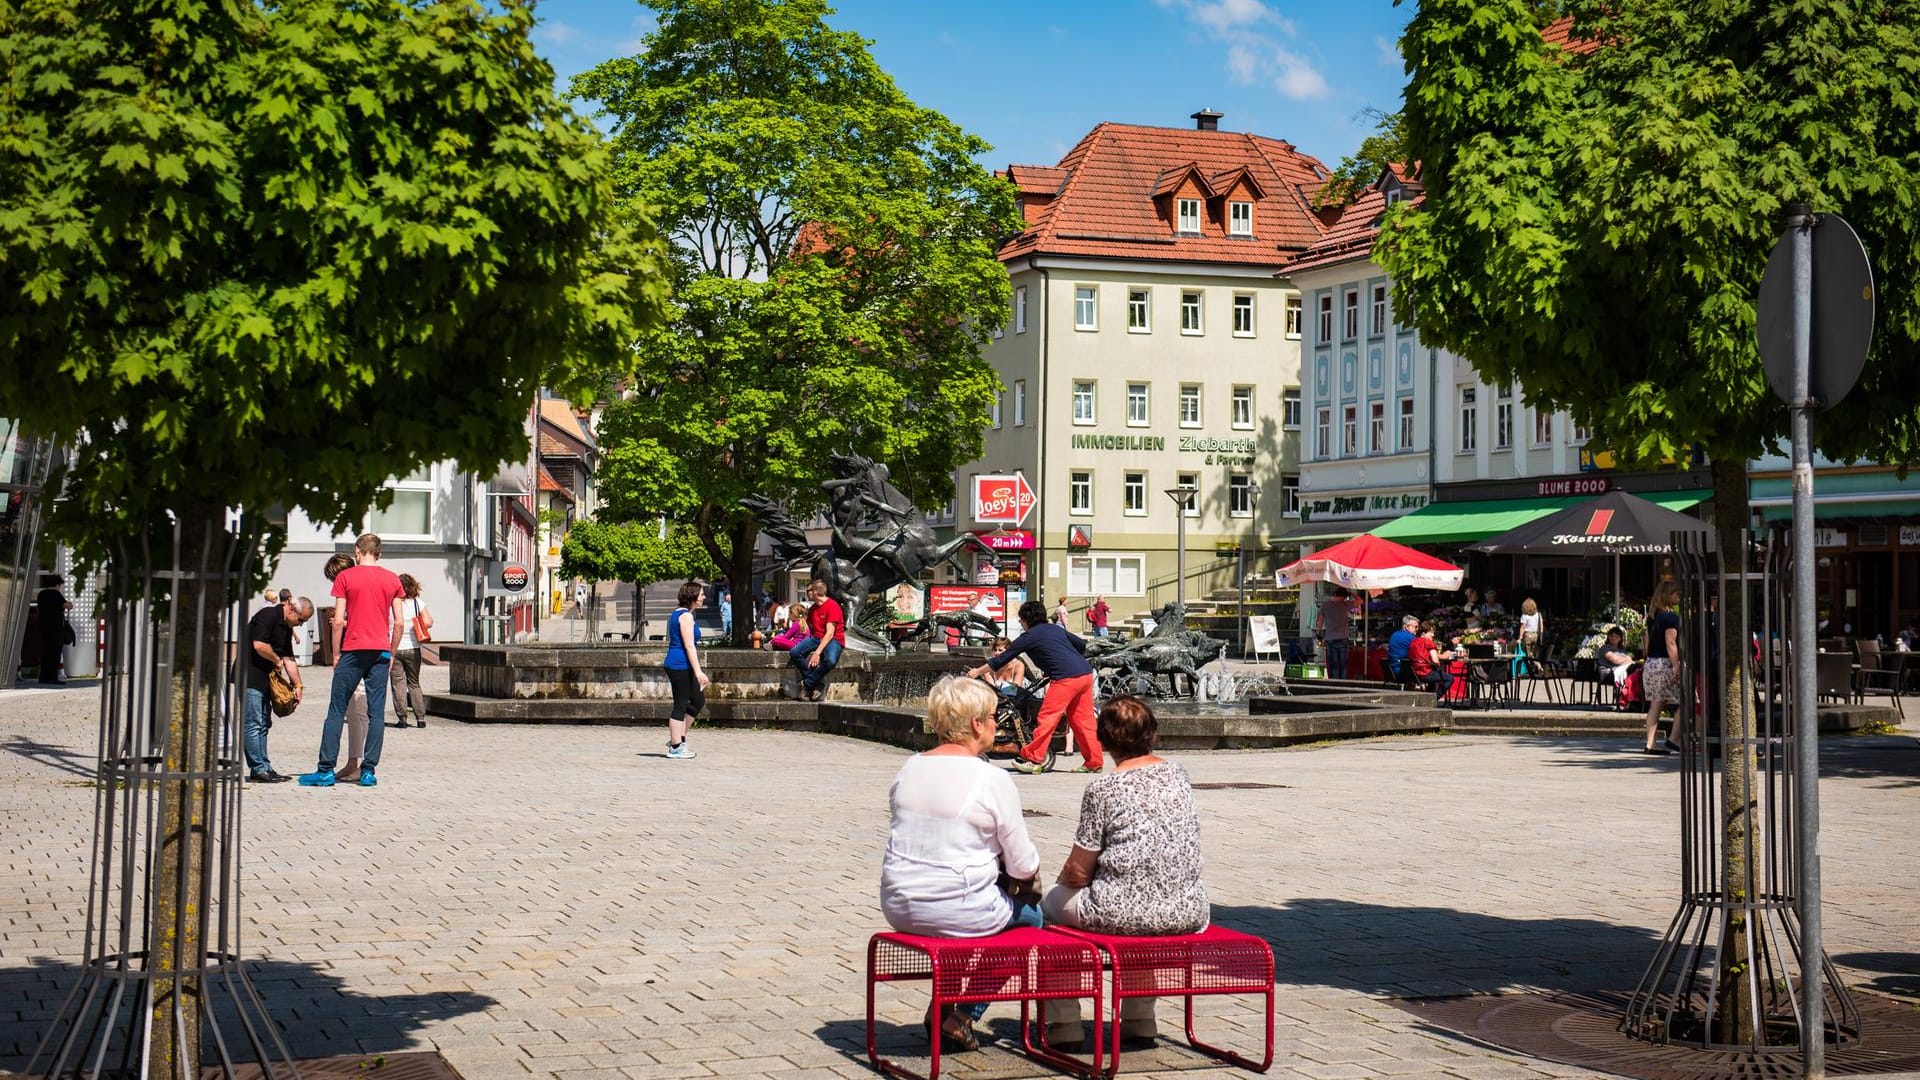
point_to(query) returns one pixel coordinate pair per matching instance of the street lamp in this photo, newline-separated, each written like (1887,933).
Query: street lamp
(1253,511)
(1182,497)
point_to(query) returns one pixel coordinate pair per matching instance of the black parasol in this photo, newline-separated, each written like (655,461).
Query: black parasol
(1617,523)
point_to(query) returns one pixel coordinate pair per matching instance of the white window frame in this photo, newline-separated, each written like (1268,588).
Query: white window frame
(1540,417)
(1139,311)
(1323,433)
(1239,218)
(1240,495)
(1349,430)
(1086,391)
(1019,403)
(1243,303)
(1406,423)
(1326,319)
(1240,409)
(1469,398)
(1187,217)
(1193,303)
(1085,576)
(1080,492)
(1143,415)
(1290,409)
(1503,417)
(1293,316)
(1133,483)
(1290,495)
(1086,308)
(1578,434)
(1191,396)
(998,396)
(1192,480)
(1020,310)
(1377,313)
(415,483)
(1350,315)
(1377,427)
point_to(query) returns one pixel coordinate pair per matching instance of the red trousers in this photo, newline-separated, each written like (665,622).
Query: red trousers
(1072,698)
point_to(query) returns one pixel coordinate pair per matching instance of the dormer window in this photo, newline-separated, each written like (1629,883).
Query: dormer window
(1190,217)
(1240,218)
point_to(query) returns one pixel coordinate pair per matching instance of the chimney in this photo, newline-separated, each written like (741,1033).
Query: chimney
(1207,120)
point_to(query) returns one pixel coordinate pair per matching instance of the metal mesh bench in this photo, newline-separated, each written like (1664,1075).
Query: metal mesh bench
(1021,965)
(1214,961)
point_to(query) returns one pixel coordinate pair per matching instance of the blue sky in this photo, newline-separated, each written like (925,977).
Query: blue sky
(1033,77)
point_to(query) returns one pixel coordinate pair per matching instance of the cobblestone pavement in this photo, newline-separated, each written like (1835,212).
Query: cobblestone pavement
(567,902)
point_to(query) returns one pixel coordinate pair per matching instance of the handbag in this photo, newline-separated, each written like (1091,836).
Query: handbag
(283,698)
(420,633)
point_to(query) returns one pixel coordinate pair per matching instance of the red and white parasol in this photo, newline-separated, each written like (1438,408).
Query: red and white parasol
(1372,562)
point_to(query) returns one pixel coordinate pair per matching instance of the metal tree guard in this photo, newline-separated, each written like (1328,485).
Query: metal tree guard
(128,983)
(1745,930)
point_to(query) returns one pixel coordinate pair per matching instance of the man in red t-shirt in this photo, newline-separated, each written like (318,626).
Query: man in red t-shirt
(819,651)
(369,614)
(1430,661)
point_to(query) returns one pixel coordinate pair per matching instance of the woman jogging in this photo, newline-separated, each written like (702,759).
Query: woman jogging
(684,674)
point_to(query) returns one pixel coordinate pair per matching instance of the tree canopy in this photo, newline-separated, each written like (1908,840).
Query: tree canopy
(1597,220)
(274,254)
(634,552)
(836,280)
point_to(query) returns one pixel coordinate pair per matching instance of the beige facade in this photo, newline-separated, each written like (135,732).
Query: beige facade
(1123,379)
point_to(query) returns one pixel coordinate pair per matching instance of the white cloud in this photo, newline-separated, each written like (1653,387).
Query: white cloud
(1252,32)
(1389,52)
(642,26)
(554,35)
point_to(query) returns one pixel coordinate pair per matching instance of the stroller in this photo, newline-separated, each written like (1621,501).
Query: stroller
(1014,715)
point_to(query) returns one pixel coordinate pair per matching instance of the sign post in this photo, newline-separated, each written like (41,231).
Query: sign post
(1814,333)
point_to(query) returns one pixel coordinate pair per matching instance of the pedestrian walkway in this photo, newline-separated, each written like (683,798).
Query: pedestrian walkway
(569,903)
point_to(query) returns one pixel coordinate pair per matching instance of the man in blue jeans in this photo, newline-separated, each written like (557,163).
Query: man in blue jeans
(371,614)
(270,635)
(818,652)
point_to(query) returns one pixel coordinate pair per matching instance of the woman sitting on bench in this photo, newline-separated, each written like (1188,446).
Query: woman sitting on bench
(1135,866)
(956,823)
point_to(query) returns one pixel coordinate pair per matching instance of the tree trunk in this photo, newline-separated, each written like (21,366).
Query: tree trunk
(178,919)
(1740,871)
(740,576)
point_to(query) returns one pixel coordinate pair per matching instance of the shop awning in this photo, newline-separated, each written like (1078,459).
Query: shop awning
(1840,508)
(1465,522)
(1316,532)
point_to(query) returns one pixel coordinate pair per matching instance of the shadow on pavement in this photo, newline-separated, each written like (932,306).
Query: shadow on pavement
(1415,951)
(64,758)
(1898,973)
(1891,758)
(316,1015)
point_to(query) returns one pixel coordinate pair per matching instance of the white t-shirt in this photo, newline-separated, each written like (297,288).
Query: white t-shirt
(953,818)
(1530,624)
(408,609)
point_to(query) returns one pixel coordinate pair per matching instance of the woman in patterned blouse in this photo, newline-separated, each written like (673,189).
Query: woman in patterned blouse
(1135,866)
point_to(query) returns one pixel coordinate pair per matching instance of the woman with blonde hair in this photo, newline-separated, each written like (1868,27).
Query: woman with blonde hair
(957,825)
(406,660)
(1530,622)
(1660,678)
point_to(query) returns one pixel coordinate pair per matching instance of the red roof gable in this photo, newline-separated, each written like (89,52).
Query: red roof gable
(1105,205)
(1560,32)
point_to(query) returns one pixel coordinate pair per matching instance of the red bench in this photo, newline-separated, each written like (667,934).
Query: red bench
(1214,961)
(1021,965)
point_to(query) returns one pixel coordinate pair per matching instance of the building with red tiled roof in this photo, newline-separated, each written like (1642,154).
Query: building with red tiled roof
(1150,345)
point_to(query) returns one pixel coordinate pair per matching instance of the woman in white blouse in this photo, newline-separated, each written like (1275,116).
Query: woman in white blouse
(956,825)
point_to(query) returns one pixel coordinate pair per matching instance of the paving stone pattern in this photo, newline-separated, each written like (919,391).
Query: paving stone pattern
(569,903)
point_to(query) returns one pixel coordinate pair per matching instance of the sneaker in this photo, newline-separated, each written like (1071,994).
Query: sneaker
(1083,768)
(268,777)
(816,695)
(323,778)
(1031,768)
(683,752)
(367,779)
(1066,1036)
(400,723)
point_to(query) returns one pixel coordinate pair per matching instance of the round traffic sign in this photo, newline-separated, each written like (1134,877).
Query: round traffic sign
(1842,313)
(513,577)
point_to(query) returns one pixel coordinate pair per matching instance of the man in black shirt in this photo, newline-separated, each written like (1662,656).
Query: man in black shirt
(270,641)
(55,632)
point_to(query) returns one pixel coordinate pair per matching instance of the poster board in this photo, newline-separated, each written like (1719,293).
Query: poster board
(1263,635)
(909,602)
(948,599)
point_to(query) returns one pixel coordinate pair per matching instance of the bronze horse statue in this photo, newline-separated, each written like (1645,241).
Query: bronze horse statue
(879,539)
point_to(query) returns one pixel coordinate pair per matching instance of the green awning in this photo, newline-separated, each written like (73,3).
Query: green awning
(1315,532)
(1839,509)
(1466,522)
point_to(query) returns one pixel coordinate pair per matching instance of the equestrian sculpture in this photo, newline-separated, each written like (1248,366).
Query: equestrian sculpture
(878,540)
(1171,650)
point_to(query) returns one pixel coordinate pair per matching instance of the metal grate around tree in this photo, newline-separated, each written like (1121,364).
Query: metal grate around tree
(1726,976)
(163,939)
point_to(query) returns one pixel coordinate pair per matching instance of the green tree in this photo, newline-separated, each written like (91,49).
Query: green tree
(837,279)
(257,255)
(635,552)
(1597,221)
(1384,149)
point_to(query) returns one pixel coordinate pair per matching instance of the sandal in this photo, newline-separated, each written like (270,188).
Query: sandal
(956,1031)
